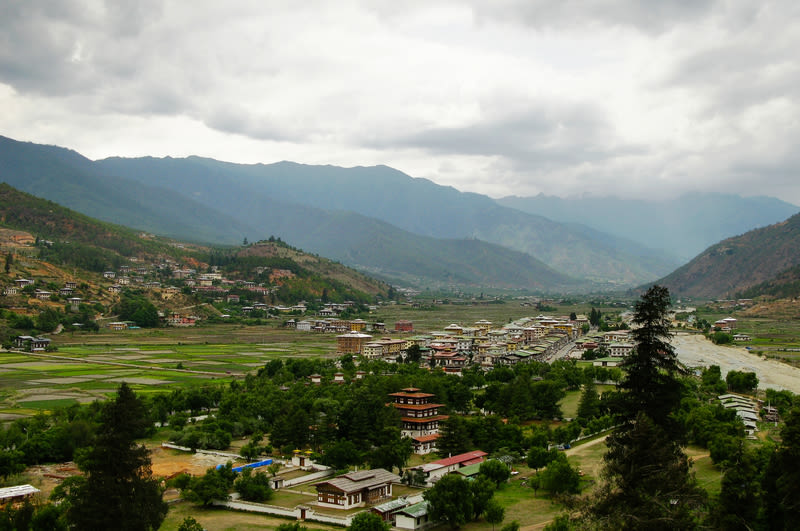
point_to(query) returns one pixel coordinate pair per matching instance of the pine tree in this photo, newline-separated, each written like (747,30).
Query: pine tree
(117,490)
(651,383)
(647,484)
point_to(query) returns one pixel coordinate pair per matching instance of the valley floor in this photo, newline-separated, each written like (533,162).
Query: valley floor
(695,350)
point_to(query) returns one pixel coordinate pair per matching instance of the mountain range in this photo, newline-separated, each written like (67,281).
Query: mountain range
(681,227)
(382,221)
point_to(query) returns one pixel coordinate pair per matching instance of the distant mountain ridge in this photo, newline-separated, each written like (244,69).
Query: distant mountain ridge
(414,205)
(733,266)
(681,227)
(372,245)
(396,227)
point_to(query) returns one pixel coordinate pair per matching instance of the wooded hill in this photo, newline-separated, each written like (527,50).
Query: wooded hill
(751,264)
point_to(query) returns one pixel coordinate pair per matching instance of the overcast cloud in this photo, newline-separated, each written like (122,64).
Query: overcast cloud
(629,98)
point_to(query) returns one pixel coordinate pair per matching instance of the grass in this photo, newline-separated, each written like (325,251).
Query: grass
(217,519)
(569,404)
(521,505)
(708,476)
(49,405)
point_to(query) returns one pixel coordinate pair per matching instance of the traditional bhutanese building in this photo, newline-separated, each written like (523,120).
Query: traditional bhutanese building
(420,418)
(356,489)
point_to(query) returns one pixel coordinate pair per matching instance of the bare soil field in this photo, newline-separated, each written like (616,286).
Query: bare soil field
(167,463)
(697,351)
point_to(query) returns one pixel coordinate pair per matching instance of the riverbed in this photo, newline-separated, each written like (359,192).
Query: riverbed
(694,350)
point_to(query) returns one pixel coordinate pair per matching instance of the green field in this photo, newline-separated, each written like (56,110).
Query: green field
(90,365)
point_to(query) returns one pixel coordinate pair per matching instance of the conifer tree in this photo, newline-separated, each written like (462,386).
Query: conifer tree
(117,490)
(647,484)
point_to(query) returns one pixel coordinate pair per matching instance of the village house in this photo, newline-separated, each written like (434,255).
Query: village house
(413,517)
(620,350)
(31,344)
(74,303)
(356,489)
(403,325)
(42,295)
(176,319)
(387,510)
(435,470)
(358,325)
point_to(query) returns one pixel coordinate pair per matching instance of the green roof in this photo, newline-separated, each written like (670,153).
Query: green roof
(416,510)
(469,470)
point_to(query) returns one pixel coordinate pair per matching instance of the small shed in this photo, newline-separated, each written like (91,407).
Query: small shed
(17,494)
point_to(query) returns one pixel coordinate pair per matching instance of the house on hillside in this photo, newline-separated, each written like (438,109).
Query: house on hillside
(42,295)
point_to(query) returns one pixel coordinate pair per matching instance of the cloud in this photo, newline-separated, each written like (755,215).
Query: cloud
(643,15)
(537,137)
(508,96)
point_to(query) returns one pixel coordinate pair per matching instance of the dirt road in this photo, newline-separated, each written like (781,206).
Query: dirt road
(696,350)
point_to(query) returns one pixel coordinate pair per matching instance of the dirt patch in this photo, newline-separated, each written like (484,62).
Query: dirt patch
(168,463)
(48,477)
(140,381)
(37,398)
(64,380)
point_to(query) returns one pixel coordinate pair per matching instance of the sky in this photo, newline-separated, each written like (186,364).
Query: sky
(630,98)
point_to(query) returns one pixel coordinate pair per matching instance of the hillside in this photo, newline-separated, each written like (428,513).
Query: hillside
(110,269)
(681,227)
(784,285)
(73,181)
(737,264)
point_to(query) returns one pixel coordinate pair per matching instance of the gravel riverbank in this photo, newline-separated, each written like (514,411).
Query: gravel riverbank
(695,350)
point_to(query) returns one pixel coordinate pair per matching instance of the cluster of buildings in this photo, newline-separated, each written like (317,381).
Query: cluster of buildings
(44,295)
(614,346)
(374,487)
(456,346)
(746,410)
